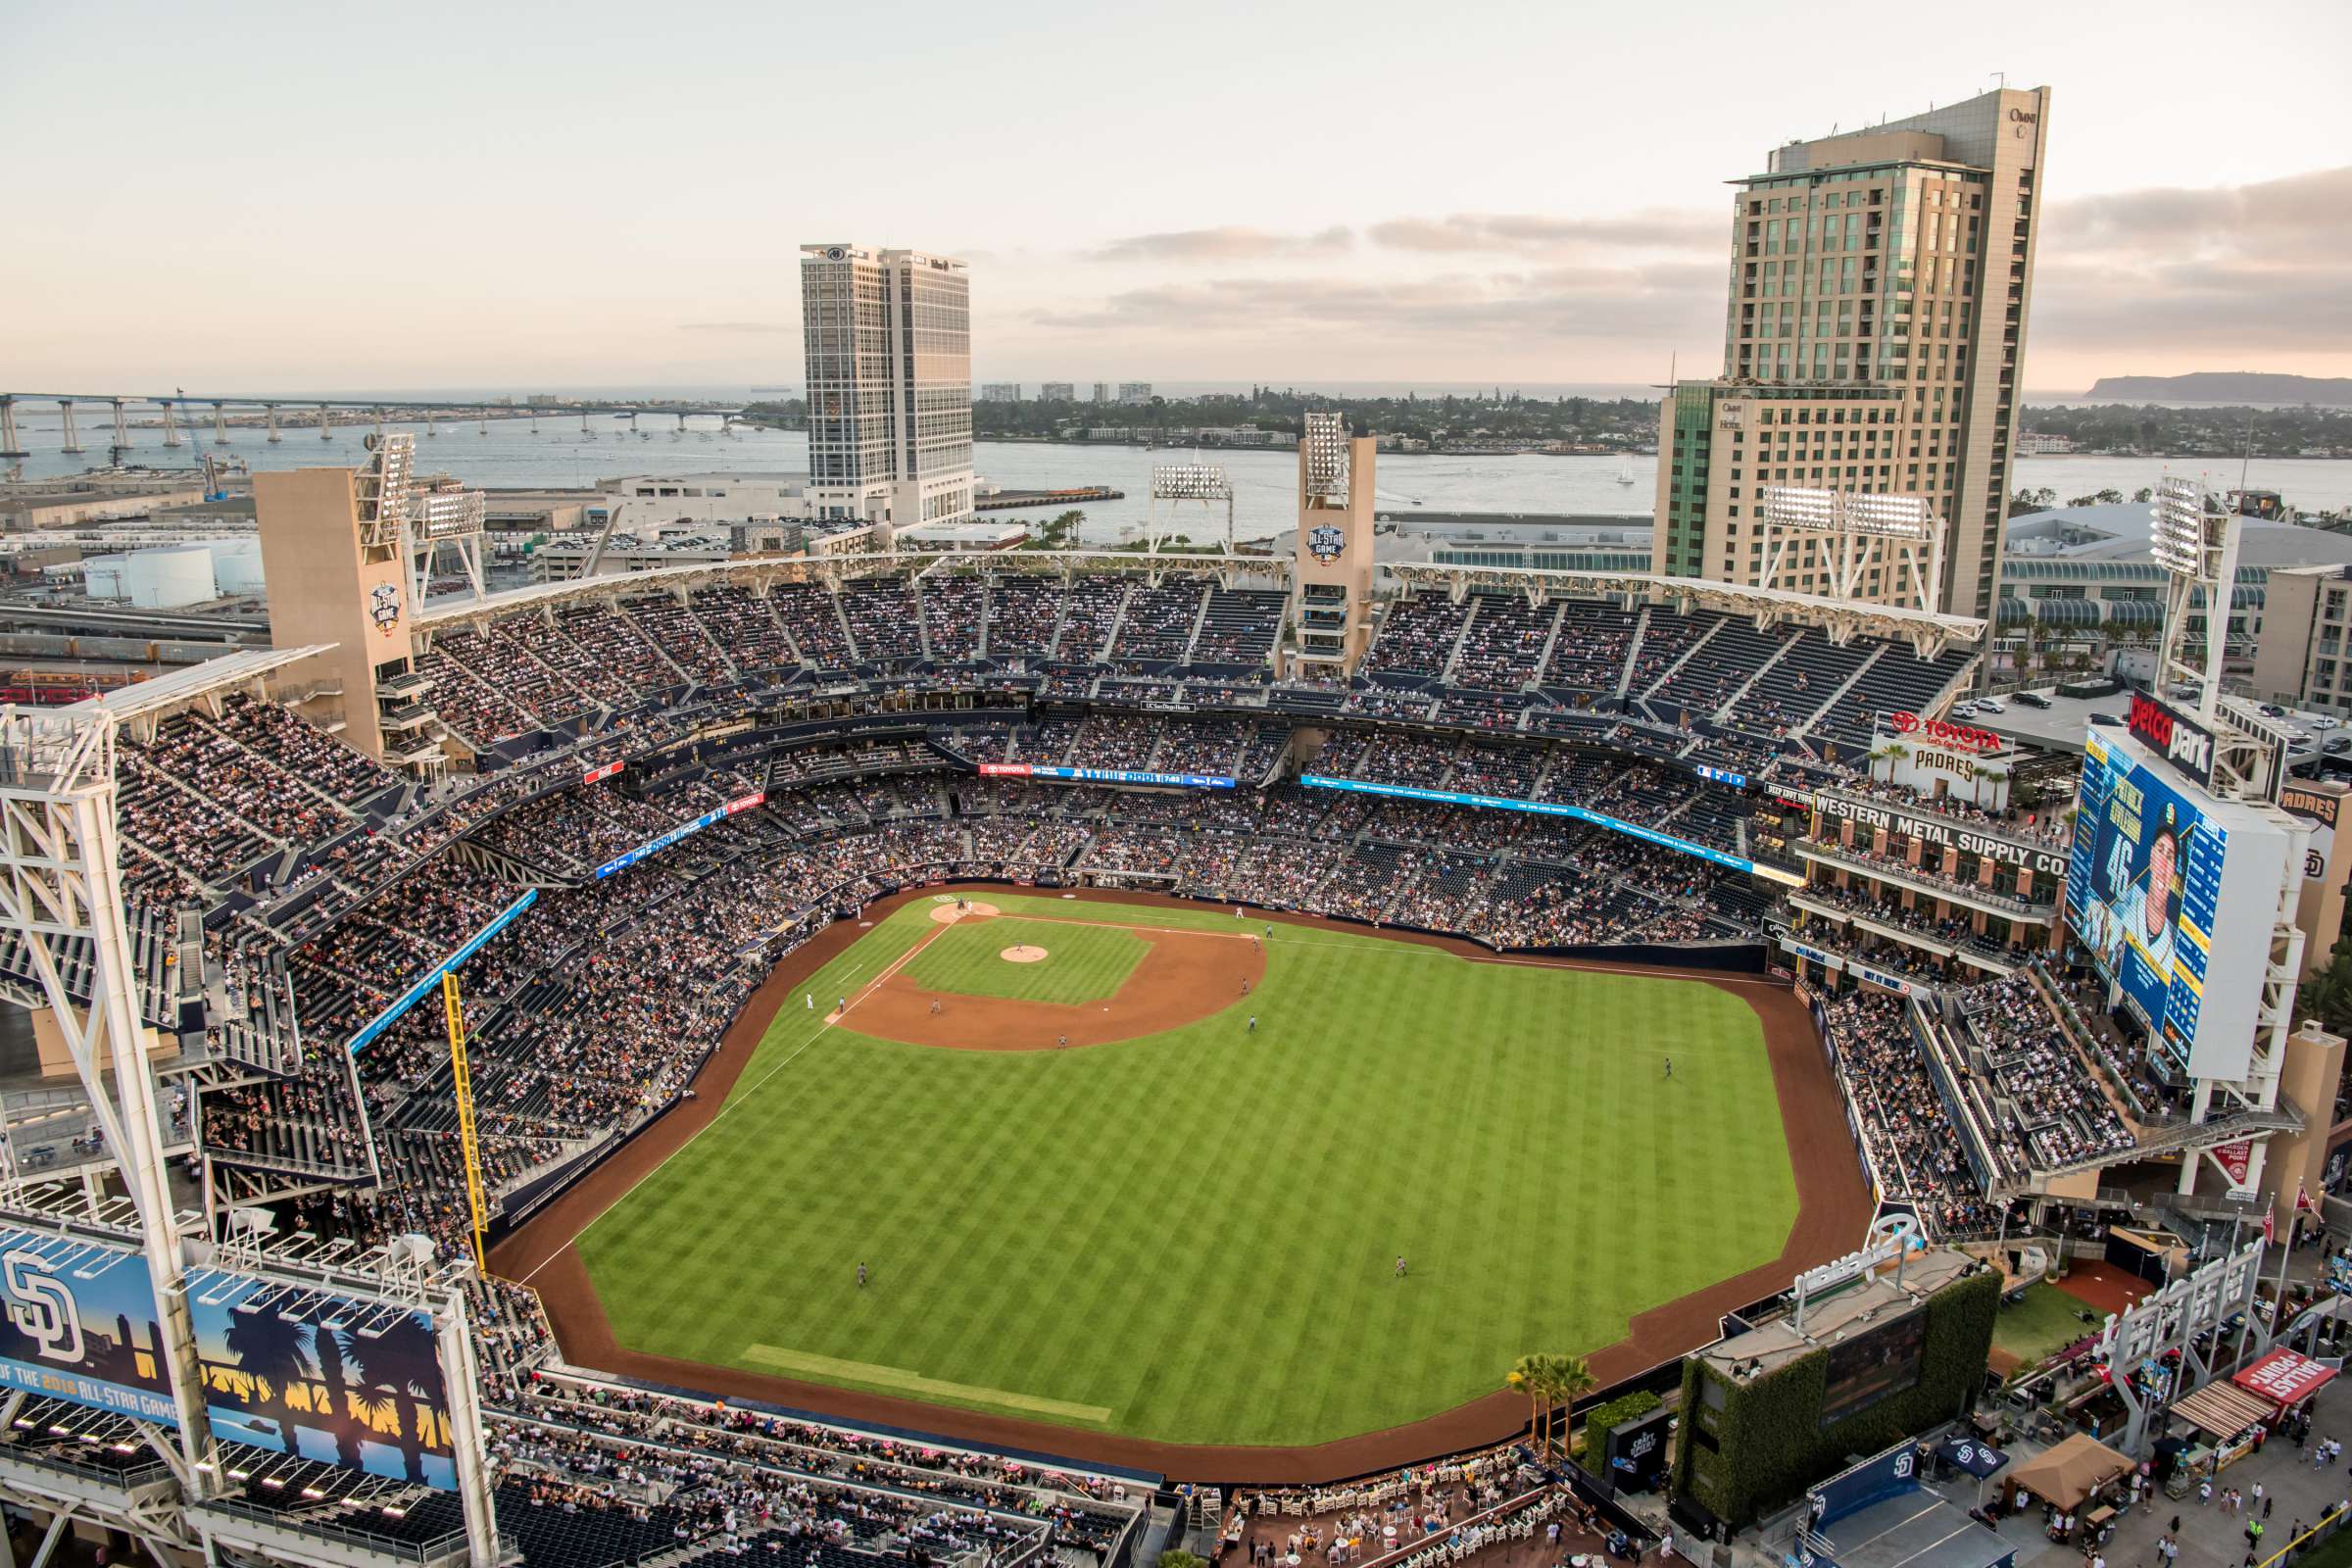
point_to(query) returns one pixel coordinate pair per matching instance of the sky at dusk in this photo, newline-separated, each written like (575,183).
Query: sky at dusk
(253,198)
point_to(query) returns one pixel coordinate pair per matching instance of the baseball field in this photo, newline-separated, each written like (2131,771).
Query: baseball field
(1086,1191)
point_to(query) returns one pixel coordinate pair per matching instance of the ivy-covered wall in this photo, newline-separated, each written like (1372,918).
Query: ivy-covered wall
(1746,1448)
(1602,1417)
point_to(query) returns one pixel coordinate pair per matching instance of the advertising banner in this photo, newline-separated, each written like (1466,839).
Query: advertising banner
(285,1369)
(1105,776)
(621,863)
(1648,835)
(80,1325)
(2286,1377)
(343,1381)
(1943,832)
(1636,1450)
(2235,1159)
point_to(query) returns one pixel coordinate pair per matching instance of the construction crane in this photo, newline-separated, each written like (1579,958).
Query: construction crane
(463,1084)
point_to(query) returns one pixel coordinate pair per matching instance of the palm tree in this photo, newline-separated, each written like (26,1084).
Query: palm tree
(1549,1381)
(1567,1378)
(267,1350)
(2327,994)
(341,1420)
(1525,1376)
(403,1366)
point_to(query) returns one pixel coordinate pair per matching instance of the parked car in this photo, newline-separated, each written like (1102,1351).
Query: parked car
(2032,700)
(1990,705)
(2108,719)
(2337,745)
(2274,710)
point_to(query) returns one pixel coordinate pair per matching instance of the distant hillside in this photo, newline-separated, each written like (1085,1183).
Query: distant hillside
(2227,386)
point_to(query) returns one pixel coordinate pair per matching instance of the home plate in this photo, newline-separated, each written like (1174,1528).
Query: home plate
(1022,953)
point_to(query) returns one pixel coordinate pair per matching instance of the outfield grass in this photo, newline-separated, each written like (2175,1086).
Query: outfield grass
(1082,962)
(2040,1324)
(1195,1241)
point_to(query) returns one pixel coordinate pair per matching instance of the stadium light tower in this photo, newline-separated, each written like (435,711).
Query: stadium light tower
(1327,460)
(61,891)
(1175,485)
(2193,537)
(420,518)
(1901,537)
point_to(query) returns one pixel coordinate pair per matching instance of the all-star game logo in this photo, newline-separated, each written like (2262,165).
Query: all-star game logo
(1325,542)
(384,606)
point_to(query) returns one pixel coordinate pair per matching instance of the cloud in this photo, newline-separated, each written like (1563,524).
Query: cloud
(738,326)
(2248,269)
(1476,312)
(1227,244)
(1507,233)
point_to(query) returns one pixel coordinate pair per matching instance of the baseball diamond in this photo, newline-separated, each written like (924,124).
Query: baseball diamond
(1179,1231)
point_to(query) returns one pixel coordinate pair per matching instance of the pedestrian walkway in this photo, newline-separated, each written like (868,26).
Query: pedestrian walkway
(2295,1491)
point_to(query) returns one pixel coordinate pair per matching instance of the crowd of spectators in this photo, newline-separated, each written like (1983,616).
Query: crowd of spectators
(2056,1102)
(1906,1124)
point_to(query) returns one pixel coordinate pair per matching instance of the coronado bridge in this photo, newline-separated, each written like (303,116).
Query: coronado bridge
(184,417)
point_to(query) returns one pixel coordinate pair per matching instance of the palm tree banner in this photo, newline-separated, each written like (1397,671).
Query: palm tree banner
(333,1380)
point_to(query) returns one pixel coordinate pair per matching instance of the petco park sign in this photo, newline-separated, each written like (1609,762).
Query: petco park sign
(1936,729)
(2178,739)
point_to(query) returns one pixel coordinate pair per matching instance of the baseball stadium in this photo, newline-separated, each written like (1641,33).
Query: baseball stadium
(1009,1057)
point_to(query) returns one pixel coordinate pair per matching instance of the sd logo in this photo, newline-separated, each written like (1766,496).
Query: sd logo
(41,1307)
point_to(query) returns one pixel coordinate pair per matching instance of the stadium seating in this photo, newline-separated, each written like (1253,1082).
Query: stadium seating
(329,886)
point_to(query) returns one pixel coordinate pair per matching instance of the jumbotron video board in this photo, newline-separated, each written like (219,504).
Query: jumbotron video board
(2173,891)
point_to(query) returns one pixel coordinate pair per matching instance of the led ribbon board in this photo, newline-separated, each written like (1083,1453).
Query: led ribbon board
(1105,776)
(431,978)
(621,863)
(1648,835)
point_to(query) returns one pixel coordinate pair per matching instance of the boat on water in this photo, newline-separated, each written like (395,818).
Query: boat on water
(1625,471)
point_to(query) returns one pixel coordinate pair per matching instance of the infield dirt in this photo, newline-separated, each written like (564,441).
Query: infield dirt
(1183,976)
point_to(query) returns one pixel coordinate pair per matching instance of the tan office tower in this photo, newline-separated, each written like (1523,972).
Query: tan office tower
(1879,284)
(889,337)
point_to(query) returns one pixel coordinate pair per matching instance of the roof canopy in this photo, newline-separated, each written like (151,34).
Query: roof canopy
(2223,1410)
(2070,1472)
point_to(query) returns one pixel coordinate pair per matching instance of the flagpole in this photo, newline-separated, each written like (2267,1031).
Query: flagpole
(2287,1250)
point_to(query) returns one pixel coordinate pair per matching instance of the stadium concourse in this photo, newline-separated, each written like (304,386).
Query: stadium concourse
(691,786)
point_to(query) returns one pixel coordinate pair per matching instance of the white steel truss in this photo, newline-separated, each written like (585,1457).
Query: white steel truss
(59,886)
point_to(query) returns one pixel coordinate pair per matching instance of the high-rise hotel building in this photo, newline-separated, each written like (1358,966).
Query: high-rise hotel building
(889,337)
(1879,284)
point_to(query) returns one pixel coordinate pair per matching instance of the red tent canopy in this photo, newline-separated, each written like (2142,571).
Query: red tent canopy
(2285,1378)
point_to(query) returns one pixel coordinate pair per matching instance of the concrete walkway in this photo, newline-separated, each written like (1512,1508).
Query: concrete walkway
(2297,1495)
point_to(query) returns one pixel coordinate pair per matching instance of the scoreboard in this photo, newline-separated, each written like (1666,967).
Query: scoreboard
(2175,892)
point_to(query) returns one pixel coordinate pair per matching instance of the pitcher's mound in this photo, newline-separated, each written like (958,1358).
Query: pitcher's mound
(947,914)
(1023,954)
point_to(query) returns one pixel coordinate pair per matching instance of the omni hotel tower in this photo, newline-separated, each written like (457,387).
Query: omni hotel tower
(1879,284)
(889,339)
